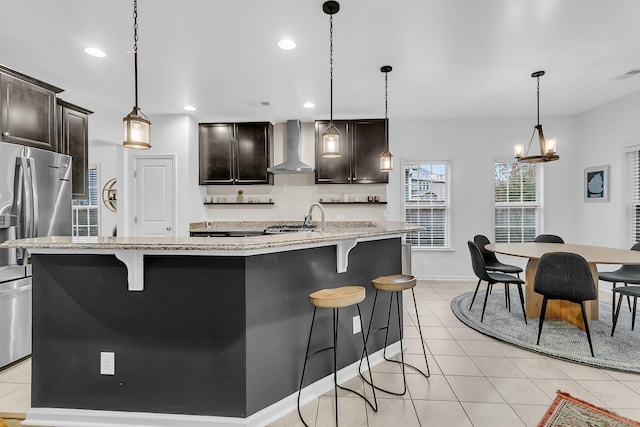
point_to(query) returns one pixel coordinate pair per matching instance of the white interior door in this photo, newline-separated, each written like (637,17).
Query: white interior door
(155,196)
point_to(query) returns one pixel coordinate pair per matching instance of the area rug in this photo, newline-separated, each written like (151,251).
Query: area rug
(10,419)
(559,339)
(569,411)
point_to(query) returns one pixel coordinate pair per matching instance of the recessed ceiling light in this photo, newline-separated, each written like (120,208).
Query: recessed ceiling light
(309,105)
(190,108)
(94,51)
(287,44)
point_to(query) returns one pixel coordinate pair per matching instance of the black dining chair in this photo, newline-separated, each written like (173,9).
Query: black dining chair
(629,291)
(548,238)
(564,276)
(480,270)
(492,263)
(627,274)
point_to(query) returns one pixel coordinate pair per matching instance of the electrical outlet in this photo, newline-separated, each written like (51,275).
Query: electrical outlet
(107,363)
(356,325)
(339,217)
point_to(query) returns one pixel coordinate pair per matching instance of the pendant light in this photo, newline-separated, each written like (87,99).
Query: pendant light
(386,158)
(331,135)
(547,146)
(137,127)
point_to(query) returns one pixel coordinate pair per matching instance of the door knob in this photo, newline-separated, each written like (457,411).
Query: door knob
(169,228)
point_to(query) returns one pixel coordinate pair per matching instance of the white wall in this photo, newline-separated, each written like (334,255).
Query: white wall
(604,132)
(472,146)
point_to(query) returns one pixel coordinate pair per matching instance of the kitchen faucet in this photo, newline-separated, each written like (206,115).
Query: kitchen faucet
(307,219)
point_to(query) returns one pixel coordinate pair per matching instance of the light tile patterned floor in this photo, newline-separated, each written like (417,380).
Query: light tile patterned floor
(475,381)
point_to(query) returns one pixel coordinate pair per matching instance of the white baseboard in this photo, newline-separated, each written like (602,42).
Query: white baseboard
(57,417)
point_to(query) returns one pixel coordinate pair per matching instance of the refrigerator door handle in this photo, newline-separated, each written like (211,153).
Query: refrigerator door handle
(32,188)
(25,203)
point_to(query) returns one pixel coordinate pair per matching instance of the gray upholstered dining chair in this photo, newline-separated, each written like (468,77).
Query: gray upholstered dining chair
(480,270)
(564,276)
(633,291)
(548,238)
(627,274)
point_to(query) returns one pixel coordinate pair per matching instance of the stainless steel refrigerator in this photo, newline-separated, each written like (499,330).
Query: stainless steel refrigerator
(35,201)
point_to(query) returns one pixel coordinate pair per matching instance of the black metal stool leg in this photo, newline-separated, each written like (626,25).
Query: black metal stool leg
(335,359)
(304,366)
(401,332)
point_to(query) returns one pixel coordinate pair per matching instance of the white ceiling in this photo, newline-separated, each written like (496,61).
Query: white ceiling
(450,58)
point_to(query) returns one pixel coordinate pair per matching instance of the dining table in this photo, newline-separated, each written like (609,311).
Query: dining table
(561,309)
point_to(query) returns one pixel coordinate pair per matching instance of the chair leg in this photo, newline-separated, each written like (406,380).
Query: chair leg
(628,299)
(507,297)
(486,294)
(633,316)
(524,313)
(613,299)
(543,311)
(617,313)
(586,327)
(474,294)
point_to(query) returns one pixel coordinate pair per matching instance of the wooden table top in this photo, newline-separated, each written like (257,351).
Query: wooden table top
(593,254)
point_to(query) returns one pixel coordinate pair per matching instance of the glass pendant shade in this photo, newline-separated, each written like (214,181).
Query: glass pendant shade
(518,150)
(137,131)
(386,161)
(331,142)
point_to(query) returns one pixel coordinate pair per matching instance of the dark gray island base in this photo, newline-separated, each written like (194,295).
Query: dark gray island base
(209,335)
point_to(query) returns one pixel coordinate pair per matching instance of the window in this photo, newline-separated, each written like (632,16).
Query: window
(632,203)
(518,201)
(86,213)
(427,202)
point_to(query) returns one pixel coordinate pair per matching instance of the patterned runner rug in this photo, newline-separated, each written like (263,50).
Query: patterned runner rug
(559,339)
(568,411)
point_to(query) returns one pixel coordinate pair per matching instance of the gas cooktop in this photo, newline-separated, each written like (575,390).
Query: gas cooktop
(275,229)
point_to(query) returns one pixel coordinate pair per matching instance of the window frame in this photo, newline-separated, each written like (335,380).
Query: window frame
(92,203)
(448,162)
(538,204)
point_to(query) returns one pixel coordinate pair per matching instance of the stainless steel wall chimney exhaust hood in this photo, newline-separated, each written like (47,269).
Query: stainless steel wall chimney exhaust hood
(292,163)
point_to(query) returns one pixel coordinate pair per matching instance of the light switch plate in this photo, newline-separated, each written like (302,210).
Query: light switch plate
(107,363)
(356,325)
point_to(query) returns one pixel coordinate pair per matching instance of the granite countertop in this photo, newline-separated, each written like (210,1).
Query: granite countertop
(335,231)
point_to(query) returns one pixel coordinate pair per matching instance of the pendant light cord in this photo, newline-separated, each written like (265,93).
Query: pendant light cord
(331,67)
(538,101)
(386,119)
(135,48)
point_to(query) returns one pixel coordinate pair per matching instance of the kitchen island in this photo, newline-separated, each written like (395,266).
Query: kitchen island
(195,331)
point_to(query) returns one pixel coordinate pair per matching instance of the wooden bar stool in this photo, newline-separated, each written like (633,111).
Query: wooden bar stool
(335,299)
(396,284)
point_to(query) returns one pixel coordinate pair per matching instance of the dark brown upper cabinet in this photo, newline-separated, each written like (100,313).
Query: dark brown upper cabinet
(235,153)
(73,140)
(361,143)
(27,110)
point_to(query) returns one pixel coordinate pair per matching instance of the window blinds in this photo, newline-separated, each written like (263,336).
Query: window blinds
(427,203)
(517,201)
(632,196)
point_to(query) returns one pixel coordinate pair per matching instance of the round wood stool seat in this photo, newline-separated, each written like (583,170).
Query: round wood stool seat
(338,297)
(395,282)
